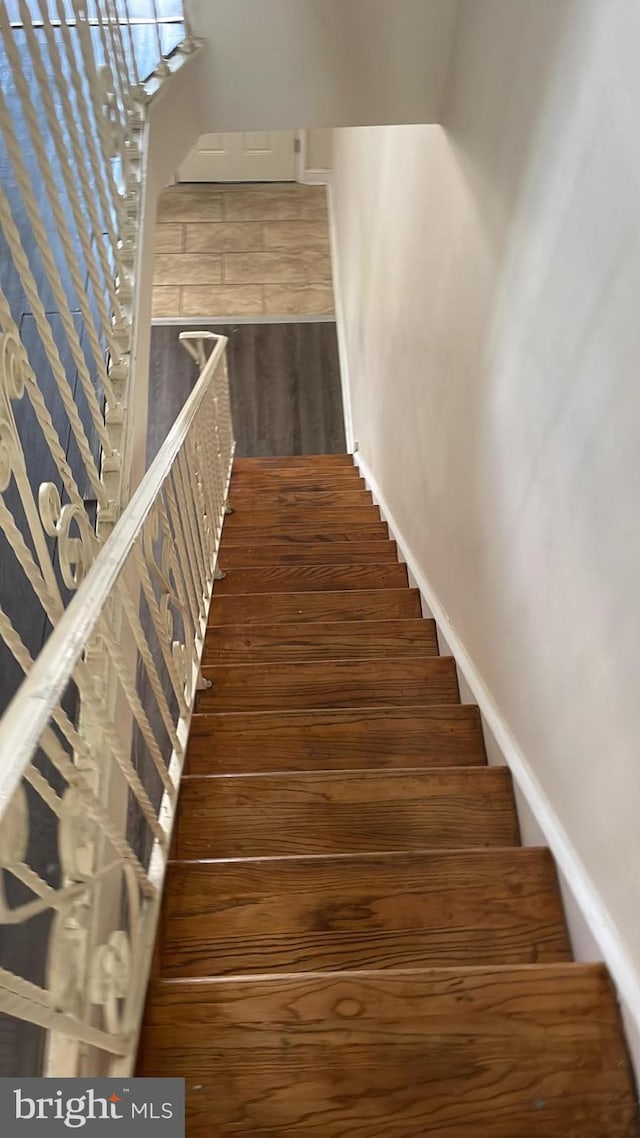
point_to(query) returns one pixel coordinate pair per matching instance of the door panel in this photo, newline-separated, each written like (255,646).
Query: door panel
(254,156)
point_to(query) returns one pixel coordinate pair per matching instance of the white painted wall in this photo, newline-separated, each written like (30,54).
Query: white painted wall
(319,149)
(174,123)
(489,284)
(288,64)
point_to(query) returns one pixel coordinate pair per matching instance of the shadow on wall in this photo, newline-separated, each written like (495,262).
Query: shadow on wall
(513,75)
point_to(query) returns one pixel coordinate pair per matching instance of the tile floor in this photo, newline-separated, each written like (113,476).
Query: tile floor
(242,250)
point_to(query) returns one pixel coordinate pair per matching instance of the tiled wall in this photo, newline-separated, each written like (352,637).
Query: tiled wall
(239,250)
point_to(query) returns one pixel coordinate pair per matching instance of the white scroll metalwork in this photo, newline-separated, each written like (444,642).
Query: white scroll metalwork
(72,114)
(97,769)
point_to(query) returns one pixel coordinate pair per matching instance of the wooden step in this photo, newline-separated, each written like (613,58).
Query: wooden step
(288,463)
(302,535)
(320,553)
(376,738)
(346,478)
(511,1052)
(293,461)
(270,499)
(319,518)
(298,608)
(311,579)
(358,639)
(342,478)
(446,908)
(397,682)
(345,812)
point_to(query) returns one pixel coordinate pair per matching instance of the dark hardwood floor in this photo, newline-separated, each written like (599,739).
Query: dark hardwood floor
(285,387)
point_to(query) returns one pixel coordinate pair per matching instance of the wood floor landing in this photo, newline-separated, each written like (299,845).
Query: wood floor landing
(285,388)
(353,943)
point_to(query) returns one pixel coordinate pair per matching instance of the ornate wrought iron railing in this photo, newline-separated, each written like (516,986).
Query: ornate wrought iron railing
(100,627)
(72,135)
(71,131)
(93,744)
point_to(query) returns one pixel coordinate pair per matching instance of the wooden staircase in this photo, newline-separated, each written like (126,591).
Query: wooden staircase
(353,943)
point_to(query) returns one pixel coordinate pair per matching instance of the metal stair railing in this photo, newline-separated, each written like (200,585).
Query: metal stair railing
(92,756)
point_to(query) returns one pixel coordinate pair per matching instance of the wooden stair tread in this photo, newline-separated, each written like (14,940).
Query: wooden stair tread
(288,608)
(305,684)
(318,553)
(345,812)
(243,535)
(510,1052)
(352,941)
(268,499)
(251,465)
(311,579)
(335,739)
(342,478)
(366,639)
(391,910)
(288,517)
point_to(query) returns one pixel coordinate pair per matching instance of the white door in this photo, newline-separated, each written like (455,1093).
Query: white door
(257,156)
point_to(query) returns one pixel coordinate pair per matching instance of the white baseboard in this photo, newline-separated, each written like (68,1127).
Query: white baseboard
(340,322)
(320,177)
(205,321)
(593,933)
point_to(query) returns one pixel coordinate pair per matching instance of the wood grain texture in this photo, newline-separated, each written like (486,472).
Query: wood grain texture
(373,952)
(397,682)
(302,535)
(446,908)
(267,499)
(285,386)
(345,812)
(288,462)
(287,608)
(319,518)
(345,478)
(297,479)
(374,738)
(340,640)
(319,553)
(311,579)
(527,1052)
